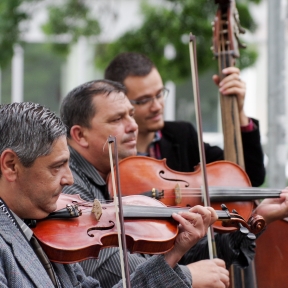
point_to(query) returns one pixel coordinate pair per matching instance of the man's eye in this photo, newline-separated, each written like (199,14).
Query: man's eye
(58,166)
(143,101)
(160,95)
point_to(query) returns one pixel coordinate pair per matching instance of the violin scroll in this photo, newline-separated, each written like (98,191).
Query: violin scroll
(255,223)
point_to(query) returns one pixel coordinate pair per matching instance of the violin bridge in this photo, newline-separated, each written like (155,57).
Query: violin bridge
(178,196)
(97,209)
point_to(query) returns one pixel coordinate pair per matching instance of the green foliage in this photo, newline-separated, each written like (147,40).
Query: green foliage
(10,17)
(171,24)
(71,18)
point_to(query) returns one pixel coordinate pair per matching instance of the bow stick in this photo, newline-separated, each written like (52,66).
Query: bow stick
(195,86)
(119,214)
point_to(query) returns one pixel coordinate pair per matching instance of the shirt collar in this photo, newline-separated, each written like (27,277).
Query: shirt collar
(19,223)
(26,230)
(81,164)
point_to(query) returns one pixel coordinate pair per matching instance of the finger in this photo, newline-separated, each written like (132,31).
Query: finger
(233,91)
(209,211)
(205,213)
(230,70)
(216,79)
(232,82)
(188,220)
(224,277)
(219,262)
(214,216)
(234,78)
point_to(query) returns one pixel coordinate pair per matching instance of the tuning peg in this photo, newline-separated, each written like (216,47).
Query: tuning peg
(224,207)
(251,236)
(243,229)
(253,244)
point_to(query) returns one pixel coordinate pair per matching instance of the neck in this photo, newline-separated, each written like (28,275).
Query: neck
(143,141)
(99,163)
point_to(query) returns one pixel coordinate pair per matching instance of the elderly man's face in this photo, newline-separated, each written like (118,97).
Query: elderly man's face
(41,184)
(114,116)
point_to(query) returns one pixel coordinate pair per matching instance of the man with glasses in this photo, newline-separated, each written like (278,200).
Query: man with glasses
(177,140)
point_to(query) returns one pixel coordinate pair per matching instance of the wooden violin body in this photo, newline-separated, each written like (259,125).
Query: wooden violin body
(149,227)
(80,238)
(140,173)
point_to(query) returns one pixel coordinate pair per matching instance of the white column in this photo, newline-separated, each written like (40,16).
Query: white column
(170,102)
(17,74)
(82,51)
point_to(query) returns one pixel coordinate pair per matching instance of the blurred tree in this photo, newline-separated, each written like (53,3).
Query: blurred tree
(66,18)
(167,27)
(71,18)
(10,18)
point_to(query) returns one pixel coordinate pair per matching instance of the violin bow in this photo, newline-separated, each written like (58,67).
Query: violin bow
(119,214)
(195,86)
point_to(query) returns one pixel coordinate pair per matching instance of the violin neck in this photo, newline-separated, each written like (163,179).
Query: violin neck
(147,212)
(231,194)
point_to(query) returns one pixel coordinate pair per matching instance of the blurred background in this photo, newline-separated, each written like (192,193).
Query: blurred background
(48,47)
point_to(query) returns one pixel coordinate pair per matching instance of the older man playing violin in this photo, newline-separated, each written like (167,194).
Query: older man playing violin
(33,171)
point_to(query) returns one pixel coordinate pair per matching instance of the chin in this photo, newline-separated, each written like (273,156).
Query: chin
(155,128)
(127,153)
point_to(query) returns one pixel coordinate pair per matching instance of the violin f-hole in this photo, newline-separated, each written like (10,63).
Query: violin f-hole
(161,173)
(100,228)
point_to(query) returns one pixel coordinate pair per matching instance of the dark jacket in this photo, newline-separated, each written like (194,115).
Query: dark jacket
(179,145)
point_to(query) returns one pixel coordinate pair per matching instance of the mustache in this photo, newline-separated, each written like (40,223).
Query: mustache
(151,115)
(130,137)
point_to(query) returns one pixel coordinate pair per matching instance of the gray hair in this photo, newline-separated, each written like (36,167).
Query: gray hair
(29,130)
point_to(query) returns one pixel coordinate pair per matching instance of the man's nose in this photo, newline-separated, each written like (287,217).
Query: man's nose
(68,179)
(132,125)
(156,104)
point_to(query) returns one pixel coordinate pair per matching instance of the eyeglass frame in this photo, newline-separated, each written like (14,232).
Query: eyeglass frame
(145,101)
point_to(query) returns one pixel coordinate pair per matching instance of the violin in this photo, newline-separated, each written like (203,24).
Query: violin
(149,227)
(227,181)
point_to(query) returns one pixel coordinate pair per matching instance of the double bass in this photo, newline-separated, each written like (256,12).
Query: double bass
(226,45)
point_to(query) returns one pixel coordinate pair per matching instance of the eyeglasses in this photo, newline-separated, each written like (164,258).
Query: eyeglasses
(162,95)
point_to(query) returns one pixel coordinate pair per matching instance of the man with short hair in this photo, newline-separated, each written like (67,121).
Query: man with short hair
(33,171)
(177,140)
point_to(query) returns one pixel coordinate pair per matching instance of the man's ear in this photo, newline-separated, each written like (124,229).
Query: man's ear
(10,164)
(77,134)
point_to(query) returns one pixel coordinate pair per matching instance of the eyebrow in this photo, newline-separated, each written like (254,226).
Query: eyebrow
(148,95)
(61,161)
